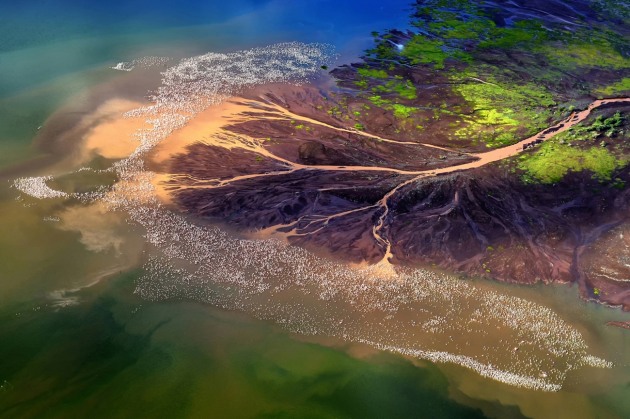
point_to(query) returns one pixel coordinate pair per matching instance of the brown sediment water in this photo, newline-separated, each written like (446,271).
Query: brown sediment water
(211,127)
(145,330)
(114,137)
(417,313)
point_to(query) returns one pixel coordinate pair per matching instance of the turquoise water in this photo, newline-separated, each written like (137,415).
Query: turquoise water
(53,50)
(75,338)
(115,355)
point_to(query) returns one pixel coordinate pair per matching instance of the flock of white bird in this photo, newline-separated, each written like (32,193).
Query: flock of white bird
(418,313)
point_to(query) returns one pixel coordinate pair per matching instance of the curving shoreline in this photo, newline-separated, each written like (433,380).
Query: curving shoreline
(412,312)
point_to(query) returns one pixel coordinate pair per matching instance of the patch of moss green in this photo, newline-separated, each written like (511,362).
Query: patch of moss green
(491,138)
(503,139)
(596,52)
(501,105)
(455,23)
(383,51)
(525,34)
(379,101)
(373,73)
(600,126)
(421,50)
(619,87)
(451,25)
(553,161)
(405,89)
(510,73)
(402,111)
(496,117)
(334,111)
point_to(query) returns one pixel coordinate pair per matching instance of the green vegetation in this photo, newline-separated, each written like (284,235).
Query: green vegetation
(551,163)
(524,34)
(359,127)
(608,127)
(500,108)
(510,76)
(420,50)
(379,101)
(615,88)
(399,110)
(335,111)
(303,127)
(373,73)
(405,90)
(502,139)
(402,111)
(590,53)
(554,159)
(458,30)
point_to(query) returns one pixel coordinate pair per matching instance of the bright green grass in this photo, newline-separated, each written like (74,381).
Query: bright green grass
(402,111)
(501,105)
(615,88)
(553,161)
(555,158)
(590,53)
(379,101)
(420,50)
(373,73)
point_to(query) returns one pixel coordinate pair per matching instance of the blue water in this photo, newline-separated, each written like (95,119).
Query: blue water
(52,50)
(115,355)
(41,40)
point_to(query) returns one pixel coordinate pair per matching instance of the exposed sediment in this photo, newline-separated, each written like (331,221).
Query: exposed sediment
(410,311)
(264,168)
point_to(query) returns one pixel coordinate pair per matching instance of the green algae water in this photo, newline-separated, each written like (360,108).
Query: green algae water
(115,355)
(80,337)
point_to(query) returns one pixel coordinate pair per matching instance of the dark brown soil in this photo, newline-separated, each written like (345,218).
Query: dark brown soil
(484,221)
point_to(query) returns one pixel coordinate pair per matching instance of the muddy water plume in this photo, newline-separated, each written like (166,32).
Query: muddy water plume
(418,313)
